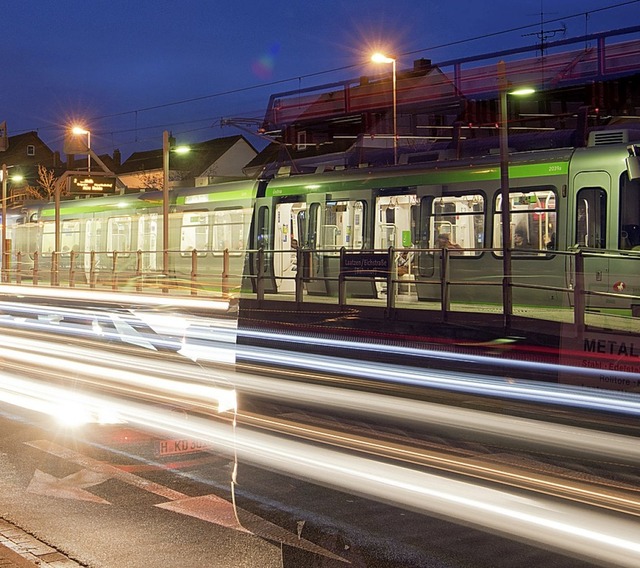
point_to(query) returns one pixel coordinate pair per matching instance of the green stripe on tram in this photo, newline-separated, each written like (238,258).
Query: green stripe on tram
(331,183)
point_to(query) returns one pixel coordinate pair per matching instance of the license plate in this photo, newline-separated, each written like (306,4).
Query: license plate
(177,447)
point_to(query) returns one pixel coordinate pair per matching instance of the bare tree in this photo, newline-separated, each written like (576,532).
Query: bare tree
(150,181)
(46,184)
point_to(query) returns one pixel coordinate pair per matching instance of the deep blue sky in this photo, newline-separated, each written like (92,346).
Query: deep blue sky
(119,65)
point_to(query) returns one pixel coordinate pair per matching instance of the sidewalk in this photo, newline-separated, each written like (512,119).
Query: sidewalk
(21,550)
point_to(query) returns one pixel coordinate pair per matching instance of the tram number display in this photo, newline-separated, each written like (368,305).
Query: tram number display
(366,265)
(178,447)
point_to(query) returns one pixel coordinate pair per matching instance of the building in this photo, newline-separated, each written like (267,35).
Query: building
(213,161)
(590,79)
(24,153)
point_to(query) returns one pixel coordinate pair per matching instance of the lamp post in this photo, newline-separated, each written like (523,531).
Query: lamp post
(4,222)
(507,291)
(381,58)
(78,130)
(166,149)
(3,237)
(165,202)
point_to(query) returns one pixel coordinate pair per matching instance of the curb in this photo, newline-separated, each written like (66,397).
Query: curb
(19,549)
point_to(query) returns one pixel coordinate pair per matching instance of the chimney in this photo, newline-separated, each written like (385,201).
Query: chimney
(422,65)
(117,158)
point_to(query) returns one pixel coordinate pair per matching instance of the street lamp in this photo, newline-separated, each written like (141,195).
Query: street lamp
(166,148)
(3,237)
(78,130)
(507,292)
(381,58)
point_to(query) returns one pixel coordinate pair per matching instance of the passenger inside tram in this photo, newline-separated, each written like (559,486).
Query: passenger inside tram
(520,240)
(443,240)
(404,262)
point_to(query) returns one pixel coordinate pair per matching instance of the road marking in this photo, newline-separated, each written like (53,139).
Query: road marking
(70,487)
(209,508)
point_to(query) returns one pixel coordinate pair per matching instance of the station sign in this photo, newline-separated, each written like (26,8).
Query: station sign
(92,185)
(367,265)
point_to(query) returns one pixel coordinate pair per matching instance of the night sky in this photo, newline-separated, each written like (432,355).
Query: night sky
(129,69)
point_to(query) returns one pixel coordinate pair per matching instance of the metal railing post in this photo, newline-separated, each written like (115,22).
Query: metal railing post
(138,270)
(392,275)
(225,273)
(342,283)
(579,295)
(72,268)
(260,275)
(445,293)
(36,263)
(54,268)
(114,271)
(299,280)
(19,267)
(92,269)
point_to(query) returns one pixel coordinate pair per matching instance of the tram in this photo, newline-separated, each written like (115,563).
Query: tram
(561,200)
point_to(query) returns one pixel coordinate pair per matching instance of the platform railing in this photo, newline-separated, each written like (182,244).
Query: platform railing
(250,273)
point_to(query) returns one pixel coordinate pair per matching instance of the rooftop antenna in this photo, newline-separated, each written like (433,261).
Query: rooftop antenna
(544,35)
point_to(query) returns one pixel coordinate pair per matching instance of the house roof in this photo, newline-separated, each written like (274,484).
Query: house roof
(196,161)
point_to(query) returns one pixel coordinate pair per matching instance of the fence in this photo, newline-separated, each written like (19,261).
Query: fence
(251,275)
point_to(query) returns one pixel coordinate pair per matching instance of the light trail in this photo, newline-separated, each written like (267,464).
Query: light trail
(571,529)
(207,340)
(201,339)
(210,305)
(509,387)
(112,372)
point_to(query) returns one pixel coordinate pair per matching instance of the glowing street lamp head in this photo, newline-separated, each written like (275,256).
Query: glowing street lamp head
(182,149)
(381,58)
(79,130)
(522,91)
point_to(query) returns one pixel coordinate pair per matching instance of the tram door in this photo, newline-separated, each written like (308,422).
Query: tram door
(332,226)
(93,242)
(147,241)
(396,227)
(591,223)
(289,229)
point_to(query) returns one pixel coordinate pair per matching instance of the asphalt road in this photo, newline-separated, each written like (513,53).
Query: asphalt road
(99,496)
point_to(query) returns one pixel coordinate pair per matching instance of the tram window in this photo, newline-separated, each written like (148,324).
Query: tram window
(263,235)
(148,232)
(93,235)
(591,218)
(396,217)
(461,217)
(314,223)
(343,225)
(301,227)
(69,237)
(194,234)
(48,238)
(533,220)
(629,213)
(148,241)
(228,229)
(119,235)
